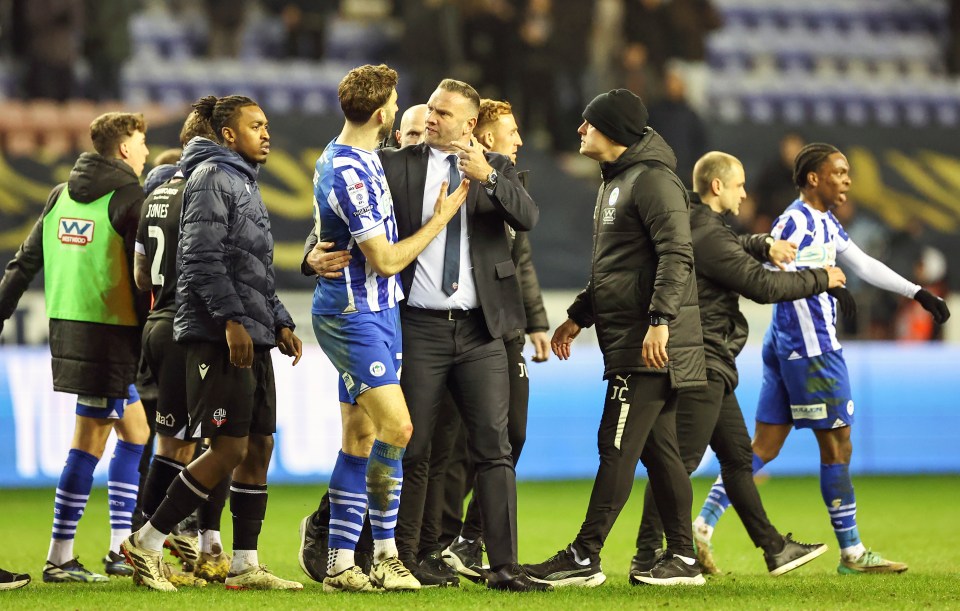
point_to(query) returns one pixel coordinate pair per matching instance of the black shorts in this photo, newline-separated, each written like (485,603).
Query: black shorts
(166,360)
(227,400)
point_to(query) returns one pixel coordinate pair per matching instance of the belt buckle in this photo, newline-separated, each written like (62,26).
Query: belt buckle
(450,315)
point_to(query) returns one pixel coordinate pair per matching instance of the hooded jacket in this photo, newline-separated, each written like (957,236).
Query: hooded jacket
(643,263)
(729,266)
(91,359)
(225,253)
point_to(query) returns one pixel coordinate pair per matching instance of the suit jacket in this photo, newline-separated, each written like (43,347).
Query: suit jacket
(494,271)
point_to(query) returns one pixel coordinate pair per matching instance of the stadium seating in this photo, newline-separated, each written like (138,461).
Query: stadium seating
(856,61)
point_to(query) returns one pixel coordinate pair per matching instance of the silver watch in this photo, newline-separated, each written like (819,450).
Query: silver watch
(491,182)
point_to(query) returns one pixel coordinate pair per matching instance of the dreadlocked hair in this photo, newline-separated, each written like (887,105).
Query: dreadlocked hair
(221,112)
(809,160)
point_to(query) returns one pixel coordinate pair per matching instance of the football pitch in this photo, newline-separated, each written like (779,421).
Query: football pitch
(911,519)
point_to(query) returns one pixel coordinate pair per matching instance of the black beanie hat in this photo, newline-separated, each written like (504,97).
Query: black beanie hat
(619,115)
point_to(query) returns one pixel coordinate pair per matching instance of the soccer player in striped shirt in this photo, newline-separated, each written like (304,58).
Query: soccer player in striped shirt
(356,320)
(805,379)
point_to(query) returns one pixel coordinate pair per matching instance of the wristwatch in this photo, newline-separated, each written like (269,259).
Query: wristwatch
(491,182)
(657,319)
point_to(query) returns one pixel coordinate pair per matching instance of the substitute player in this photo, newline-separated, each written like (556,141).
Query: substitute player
(356,320)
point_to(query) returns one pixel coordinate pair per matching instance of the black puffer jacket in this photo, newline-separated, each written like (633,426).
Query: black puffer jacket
(643,263)
(90,359)
(727,267)
(225,253)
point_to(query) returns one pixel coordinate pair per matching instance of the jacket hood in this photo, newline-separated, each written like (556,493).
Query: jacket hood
(201,150)
(94,175)
(159,175)
(652,147)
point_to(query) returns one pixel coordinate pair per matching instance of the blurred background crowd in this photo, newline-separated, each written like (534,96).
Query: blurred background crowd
(757,78)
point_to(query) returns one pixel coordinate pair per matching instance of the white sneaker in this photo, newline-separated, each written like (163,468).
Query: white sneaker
(259,578)
(348,580)
(392,575)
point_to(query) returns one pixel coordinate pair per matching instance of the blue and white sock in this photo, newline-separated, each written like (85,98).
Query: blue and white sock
(717,500)
(837,490)
(123,483)
(73,491)
(348,507)
(384,484)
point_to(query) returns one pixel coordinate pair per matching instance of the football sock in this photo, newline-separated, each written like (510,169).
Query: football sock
(384,485)
(123,481)
(348,507)
(210,511)
(183,497)
(837,490)
(73,491)
(159,477)
(248,503)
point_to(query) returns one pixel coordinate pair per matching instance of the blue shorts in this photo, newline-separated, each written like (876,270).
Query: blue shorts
(103,407)
(810,393)
(366,349)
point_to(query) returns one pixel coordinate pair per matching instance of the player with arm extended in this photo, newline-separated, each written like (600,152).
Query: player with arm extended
(805,380)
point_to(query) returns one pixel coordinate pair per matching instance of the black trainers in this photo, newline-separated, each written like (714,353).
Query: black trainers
(115,564)
(12,581)
(313,548)
(671,571)
(432,572)
(563,570)
(466,558)
(643,561)
(512,578)
(793,555)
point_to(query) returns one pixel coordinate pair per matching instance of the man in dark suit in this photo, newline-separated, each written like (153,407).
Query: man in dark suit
(462,296)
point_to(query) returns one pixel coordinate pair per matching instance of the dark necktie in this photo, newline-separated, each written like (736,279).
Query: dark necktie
(451,253)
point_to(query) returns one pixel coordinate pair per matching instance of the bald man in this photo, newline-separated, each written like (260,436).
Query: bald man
(411,125)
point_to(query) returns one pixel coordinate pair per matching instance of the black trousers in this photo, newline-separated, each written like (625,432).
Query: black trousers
(452,472)
(638,423)
(711,414)
(458,355)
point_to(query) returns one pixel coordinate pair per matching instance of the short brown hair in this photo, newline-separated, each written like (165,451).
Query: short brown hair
(108,130)
(365,89)
(196,125)
(490,112)
(464,89)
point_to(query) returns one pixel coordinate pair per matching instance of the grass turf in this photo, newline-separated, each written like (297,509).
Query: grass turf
(911,519)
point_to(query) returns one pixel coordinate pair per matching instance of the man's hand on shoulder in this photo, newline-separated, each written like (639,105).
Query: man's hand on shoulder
(289,344)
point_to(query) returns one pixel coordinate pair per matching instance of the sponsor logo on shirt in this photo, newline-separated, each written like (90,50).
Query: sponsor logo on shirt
(75,231)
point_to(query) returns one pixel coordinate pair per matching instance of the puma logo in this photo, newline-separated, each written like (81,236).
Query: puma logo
(356,511)
(204,368)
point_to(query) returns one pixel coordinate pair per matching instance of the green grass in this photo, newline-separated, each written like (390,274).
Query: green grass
(912,519)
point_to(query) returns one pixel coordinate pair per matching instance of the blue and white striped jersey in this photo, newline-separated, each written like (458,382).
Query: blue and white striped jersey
(352,203)
(807,327)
